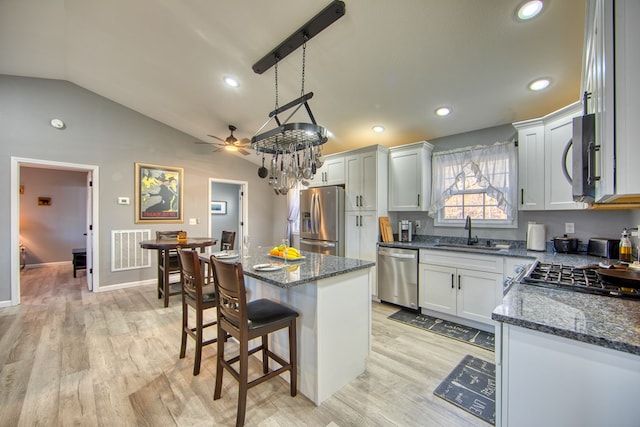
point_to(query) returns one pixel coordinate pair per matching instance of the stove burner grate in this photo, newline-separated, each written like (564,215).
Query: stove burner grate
(575,279)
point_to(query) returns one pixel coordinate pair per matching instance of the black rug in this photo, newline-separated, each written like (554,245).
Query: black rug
(453,330)
(471,386)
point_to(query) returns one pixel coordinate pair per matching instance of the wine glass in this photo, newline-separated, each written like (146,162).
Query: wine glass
(246,245)
(285,243)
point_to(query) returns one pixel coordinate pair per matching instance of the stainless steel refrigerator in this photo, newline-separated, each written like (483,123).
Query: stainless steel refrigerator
(322,220)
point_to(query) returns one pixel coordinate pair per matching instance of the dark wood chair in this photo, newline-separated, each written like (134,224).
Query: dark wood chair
(167,290)
(227,240)
(199,297)
(246,321)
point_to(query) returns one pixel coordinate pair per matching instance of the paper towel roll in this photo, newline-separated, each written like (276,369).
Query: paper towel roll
(536,237)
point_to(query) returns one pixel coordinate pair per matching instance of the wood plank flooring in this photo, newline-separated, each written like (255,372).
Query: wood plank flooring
(72,357)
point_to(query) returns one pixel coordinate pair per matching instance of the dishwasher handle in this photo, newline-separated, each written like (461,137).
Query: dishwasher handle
(397,255)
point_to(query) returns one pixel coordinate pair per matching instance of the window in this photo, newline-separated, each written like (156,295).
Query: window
(479,182)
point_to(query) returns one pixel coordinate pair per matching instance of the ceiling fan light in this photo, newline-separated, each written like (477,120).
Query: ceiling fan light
(231,147)
(529,9)
(230,81)
(539,84)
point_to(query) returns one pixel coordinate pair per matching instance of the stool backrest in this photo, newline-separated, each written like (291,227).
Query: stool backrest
(227,240)
(231,292)
(192,278)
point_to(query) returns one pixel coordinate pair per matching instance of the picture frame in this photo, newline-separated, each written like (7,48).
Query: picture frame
(158,193)
(218,208)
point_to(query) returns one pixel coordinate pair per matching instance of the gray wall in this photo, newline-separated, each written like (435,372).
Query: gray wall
(49,233)
(587,223)
(103,133)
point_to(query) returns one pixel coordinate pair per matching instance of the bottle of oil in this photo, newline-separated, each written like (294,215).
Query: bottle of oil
(625,247)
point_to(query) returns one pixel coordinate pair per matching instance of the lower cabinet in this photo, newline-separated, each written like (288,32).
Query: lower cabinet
(361,237)
(471,292)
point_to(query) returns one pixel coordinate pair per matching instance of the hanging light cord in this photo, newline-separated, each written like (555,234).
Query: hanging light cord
(276,73)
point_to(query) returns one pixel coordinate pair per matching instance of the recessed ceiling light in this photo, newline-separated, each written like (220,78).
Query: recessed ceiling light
(57,123)
(230,81)
(443,111)
(539,84)
(529,9)
(378,128)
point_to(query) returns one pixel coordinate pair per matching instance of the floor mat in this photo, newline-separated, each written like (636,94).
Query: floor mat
(471,386)
(453,330)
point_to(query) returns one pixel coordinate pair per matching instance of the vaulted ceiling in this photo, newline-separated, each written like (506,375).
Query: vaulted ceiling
(384,62)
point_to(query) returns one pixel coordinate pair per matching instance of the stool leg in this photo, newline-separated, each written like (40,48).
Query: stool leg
(243,379)
(219,359)
(265,354)
(197,361)
(185,325)
(293,358)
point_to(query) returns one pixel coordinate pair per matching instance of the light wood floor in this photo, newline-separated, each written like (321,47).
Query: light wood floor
(72,357)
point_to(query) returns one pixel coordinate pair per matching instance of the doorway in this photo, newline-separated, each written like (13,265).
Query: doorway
(92,273)
(229,207)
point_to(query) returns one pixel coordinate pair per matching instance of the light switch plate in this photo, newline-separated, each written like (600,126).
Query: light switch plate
(193,221)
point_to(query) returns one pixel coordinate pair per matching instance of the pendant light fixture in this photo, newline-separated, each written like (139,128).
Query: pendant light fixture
(295,148)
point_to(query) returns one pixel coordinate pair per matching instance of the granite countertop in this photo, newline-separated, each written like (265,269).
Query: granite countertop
(312,268)
(605,321)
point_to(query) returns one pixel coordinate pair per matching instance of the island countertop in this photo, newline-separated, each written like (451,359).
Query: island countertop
(312,268)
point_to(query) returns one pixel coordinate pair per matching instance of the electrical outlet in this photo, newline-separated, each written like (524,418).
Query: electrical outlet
(417,223)
(123,200)
(569,227)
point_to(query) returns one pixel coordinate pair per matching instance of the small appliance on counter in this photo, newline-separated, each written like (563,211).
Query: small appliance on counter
(603,247)
(405,231)
(566,245)
(536,237)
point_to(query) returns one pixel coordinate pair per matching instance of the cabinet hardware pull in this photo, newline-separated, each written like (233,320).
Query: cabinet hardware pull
(458,281)
(418,200)
(522,196)
(452,280)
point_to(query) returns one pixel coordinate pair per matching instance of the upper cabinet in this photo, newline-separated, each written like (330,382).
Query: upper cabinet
(332,172)
(410,177)
(610,76)
(544,161)
(366,179)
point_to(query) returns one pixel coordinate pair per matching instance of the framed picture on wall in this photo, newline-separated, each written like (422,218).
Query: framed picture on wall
(158,192)
(219,208)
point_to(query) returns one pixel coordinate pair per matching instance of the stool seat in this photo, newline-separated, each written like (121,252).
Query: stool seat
(79,260)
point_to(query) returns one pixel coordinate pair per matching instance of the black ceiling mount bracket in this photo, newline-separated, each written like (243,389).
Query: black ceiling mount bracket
(322,20)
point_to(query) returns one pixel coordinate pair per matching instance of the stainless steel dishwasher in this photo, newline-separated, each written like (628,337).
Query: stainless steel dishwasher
(398,276)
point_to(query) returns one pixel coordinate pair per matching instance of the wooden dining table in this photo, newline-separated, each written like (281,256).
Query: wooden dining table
(164,246)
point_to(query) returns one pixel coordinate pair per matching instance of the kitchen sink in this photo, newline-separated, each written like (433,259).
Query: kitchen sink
(470,247)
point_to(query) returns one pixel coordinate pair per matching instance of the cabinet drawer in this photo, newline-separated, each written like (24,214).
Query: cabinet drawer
(478,262)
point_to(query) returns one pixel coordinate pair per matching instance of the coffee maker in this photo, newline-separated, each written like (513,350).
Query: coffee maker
(405,231)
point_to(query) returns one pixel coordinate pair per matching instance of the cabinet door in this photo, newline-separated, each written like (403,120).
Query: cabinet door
(353,182)
(438,288)
(334,171)
(405,180)
(361,235)
(369,181)
(531,167)
(479,293)
(558,189)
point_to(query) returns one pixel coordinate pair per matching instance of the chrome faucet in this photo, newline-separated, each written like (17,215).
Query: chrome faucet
(467,226)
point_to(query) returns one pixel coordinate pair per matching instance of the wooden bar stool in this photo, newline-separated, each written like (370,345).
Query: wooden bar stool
(246,321)
(198,296)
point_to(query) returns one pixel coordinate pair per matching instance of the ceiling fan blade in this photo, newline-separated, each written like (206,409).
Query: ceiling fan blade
(243,142)
(205,143)
(219,139)
(218,149)
(243,151)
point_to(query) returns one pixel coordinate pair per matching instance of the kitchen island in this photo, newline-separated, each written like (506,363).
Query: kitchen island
(567,359)
(333,297)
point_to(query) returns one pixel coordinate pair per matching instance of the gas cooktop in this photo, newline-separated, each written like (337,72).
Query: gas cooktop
(577,279)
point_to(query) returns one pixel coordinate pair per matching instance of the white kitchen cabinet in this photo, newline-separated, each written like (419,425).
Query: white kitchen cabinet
(361,235)
(366,179)
(611,60)
(332,172)
(410,177)
(542,144)
(471,292)
(547,380)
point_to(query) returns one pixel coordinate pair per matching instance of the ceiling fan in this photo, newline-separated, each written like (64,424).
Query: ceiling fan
(230,143)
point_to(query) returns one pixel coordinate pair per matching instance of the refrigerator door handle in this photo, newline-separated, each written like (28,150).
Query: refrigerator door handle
(322,244)
(316,214)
